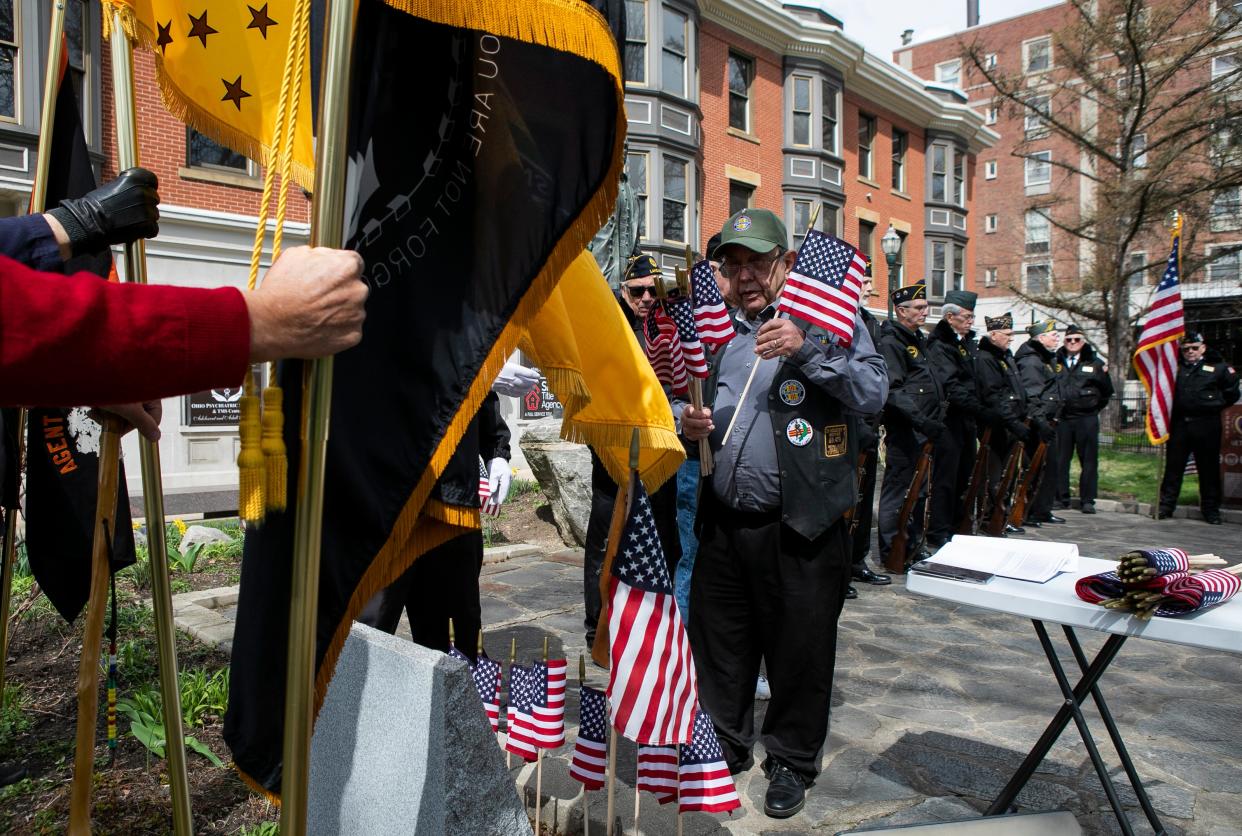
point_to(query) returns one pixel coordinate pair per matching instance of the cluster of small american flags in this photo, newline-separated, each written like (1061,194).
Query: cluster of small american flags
(1162,582)
(679,331)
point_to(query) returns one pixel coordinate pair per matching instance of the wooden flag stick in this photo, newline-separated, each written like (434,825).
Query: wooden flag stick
(512,662)
(620,510)
(92,637)
(452,638)
(479,649)
(637,796)
(538,786)
(152,479)
(1233,570)
(612,778)
(679,790)
(695,384)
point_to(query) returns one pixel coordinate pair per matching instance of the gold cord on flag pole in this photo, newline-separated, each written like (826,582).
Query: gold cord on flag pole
(152,480)
(326,230)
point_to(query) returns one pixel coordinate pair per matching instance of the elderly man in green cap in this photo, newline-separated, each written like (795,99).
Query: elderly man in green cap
(951,349)
(1040,371)
(773,562)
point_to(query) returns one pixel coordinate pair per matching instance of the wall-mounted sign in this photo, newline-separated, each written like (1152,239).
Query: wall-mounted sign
(213,408)
(539,402)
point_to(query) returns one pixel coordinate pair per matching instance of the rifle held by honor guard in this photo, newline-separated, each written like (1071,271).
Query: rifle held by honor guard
(896,561)
(852,514)
(1030,484)
(1001,499)
(972,507)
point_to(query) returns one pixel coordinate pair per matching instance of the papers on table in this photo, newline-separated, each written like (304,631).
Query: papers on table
(1024,560)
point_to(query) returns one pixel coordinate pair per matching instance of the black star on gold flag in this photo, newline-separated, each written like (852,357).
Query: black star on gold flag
(259,20)
(234,92)
(199,28)
(165,37)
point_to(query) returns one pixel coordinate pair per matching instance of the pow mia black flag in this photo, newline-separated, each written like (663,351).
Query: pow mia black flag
(62,445)
(484,152)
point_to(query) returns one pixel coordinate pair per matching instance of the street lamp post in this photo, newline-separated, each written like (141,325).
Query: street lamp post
(891,245)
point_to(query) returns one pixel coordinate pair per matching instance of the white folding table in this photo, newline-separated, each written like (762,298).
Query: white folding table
(1217,628)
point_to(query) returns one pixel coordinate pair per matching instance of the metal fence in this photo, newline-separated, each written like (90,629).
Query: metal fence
(1122,424)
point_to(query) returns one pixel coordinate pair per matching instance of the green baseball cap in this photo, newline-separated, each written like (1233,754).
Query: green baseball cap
(755,229)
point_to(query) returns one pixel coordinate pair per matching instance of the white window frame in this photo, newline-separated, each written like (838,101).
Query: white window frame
(665,161)
(1214,269)
(1026,275)
(795,111)
(1028,47)
(989,224)
(1138,151)
(949,72)
(642,191)
(1219,9)
(251,169)
(989,277)
(745,95)
(799,220)
(665,12)
(646,41)
(899,163)
(991,115)
(1225,212)
(941,254)
(941,174)
(16,45)
(1136,259)
(959,178)
(830,94)
(989,170)
(1037,237)
(864,119)
(989,61)
(1042,159)
(1033,117)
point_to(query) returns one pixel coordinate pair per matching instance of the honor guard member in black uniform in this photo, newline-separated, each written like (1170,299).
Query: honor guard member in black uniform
(951,348)
(1087,389)
(1041,376)
(774,555)
(1002,397)
(913,413)
(869,443)
(1206,384)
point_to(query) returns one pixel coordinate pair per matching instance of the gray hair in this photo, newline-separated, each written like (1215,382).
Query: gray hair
(948,309)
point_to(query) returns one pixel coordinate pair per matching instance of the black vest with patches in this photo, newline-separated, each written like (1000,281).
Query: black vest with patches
(818,479)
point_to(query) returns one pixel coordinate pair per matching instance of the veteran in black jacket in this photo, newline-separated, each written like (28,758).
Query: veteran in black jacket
(774,555)
(1001,395)
(1206,384)
(913,414)
(951,348)
(869,444)
(1087,388)
(1040,372)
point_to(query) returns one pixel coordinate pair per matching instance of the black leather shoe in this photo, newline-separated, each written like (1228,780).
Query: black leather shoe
(1088,507)
(864,575)
(786,792)
(850,593)
(1014,529)
(1213,520)
(11,773)
(1054,519)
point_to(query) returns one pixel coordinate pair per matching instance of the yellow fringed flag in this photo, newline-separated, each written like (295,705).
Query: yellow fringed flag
(220,68)
(582,324)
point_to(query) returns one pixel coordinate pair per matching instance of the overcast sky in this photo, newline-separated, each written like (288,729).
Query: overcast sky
(878,25)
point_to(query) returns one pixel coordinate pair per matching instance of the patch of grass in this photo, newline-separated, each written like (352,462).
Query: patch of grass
(267,828)
(521,487)
(14,718)
(1125,475)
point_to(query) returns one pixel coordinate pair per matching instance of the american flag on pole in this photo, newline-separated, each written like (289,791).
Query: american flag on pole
(825,285)
(547,720)
(657,772)
(680,311)
(1155,359)
(664,350)
(652,690)
(485,483)
(486,675)
(703,779)
(590,760)
(711,317)
(522,738)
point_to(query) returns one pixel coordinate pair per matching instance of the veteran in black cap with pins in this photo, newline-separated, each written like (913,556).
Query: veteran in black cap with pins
(913,414)
(1040,369)
(1087,389)
(1003,395)
(1206,384)
(774,556)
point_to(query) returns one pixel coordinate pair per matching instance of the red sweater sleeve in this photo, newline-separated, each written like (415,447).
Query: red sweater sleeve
(70,340)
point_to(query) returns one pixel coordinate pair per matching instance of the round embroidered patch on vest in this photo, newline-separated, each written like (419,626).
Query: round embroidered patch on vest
(799,432)
(792,392)
(913,351)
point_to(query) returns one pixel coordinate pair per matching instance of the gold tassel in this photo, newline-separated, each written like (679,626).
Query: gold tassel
(275,460)
(250,456)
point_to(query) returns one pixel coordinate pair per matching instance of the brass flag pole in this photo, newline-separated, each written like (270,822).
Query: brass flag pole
(327,230)
(149,451)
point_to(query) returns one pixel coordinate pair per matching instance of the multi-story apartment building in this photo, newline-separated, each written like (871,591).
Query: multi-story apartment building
(736,103)
(1016,247)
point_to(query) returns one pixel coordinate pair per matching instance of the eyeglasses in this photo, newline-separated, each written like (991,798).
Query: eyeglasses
(1194,347)
(1074,339)
(756,268)
(638,291)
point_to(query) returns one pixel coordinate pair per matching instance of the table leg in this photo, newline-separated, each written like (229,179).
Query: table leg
(1063,716)
(1115,735)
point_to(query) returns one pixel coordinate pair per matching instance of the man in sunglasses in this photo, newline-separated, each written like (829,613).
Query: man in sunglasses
(774,557)
(1086,388)
(1206,384)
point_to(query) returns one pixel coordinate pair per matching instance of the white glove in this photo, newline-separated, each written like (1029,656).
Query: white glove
(515,380)
(499,474)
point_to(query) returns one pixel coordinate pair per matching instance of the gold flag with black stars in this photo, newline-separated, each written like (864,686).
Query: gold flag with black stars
(220,68)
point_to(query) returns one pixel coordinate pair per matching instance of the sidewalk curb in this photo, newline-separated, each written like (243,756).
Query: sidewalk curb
(1130,506)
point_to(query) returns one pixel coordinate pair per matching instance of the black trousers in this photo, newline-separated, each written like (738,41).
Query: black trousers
(861,543)
(1200,436)
(952,463)
(442,584)
(603,496)
(1079,434)
(762,592)
(901,454)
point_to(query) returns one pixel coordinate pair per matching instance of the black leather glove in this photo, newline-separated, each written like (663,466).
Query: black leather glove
(1019,431)
(118,212)
(931,428)
(1046,431)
